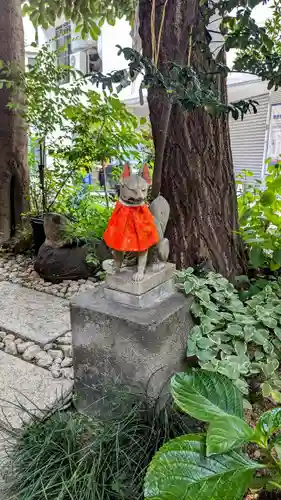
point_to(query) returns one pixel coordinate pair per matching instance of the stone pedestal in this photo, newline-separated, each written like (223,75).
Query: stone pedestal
(128,337)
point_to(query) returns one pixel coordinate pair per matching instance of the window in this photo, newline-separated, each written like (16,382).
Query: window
(63,45)
(274,137)
(31,61)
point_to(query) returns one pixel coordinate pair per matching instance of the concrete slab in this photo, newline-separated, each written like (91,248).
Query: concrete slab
(32,315)
(22,383)
(34,388)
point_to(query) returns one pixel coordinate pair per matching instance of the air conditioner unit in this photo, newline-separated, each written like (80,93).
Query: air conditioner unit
(78,61)
(94,61)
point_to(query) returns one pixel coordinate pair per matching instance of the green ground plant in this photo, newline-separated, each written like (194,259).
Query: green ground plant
(236,334)
(214,465)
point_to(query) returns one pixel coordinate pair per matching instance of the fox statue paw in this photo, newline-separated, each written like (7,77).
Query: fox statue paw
(138,276)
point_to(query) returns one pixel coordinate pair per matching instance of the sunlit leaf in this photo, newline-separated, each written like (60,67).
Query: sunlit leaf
(180,470)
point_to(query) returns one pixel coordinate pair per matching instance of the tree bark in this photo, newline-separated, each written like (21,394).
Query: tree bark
(197,169)
(13,137)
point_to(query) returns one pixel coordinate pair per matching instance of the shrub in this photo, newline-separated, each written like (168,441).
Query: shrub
(259,208)
(88,212)
(213,465)
(240,339)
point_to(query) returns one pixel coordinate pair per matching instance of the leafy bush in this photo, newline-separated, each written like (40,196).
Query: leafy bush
(69,456)
(88,212)
(213,465)
(259,208)
(240,339)
(102,128)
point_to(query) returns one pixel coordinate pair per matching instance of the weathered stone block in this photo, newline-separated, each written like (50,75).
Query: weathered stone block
(123,281)
(144,300)
(117,347)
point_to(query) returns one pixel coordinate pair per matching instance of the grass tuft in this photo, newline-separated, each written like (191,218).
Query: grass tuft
(71,457)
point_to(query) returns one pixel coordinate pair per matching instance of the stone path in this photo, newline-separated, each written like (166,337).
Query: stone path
(33,315)
(42,320)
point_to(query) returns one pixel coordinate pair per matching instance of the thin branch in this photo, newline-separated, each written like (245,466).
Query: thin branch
(160,32)
(189,46)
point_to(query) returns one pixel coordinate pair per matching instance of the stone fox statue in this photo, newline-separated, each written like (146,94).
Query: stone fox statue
(136,227)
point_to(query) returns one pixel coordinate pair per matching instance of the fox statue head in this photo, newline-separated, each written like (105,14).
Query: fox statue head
(134,187)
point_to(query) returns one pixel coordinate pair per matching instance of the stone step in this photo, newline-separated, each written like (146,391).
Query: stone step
(29,386)
(32,315)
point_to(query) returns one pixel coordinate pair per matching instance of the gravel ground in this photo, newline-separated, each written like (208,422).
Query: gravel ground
(19,269)
(55,357)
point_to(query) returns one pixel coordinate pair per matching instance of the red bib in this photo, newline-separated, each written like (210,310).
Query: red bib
(131,229)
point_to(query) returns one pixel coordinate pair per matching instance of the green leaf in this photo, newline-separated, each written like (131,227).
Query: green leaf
(226,433)
(191,347)
(205,355)
(249,332)
(205,343)
(277,332)
(277,256)
(269,322)
(205,395)
(196,309)
(235,330)
(143,120)
(181,471)
(268,423)
(240,347)
(266,389)
(203,295)
(256,257)
(188,287)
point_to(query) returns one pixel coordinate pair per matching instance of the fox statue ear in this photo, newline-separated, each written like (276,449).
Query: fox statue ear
(126,171)
(145,174)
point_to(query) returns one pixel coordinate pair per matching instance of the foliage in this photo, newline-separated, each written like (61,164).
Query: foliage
(257,59)
(45,98)
(183,85)
(42,108)
(84,14)
(259,207)
(187,85)
(67,455)
(59,182)
(238,338)
(102,128)
(87,211)
(213,465)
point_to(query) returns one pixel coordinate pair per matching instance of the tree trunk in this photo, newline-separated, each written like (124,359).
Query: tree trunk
(197,169)
(13,138)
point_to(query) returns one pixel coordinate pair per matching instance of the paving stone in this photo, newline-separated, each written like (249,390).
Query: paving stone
(22,383)
(32,315)
(27,384)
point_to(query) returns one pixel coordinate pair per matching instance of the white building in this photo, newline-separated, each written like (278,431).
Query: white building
(253,140)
